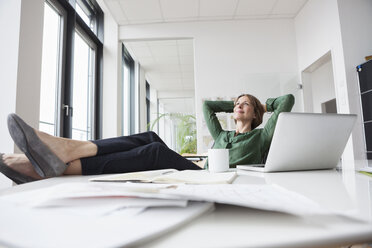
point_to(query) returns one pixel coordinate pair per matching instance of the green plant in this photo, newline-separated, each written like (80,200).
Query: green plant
(185,131)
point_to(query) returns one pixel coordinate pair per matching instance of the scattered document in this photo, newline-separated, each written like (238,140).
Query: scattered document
(29,227)
(102,197)
(171,176)
(266,197)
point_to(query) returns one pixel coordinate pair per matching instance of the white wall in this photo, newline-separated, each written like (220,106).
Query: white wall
(111,76)
(355,19)
(20,63)
(142,101)
(232,57)
(318,31)
(322,84)
(153,106)
(9,10)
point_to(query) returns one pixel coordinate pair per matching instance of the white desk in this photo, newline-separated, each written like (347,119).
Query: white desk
(231,226)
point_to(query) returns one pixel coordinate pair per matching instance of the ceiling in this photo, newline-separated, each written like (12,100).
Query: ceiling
(129,12)
(169,64)
(178,105)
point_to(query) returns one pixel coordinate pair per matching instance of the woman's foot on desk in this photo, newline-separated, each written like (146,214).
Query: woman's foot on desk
(48,154)
(18,168)
(67,149)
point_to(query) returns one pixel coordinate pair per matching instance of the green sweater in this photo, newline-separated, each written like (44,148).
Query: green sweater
(250,147)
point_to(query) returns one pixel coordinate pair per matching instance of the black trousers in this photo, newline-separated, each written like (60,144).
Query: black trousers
(139,152)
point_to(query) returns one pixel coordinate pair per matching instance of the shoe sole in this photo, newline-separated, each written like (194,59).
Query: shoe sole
(13,175)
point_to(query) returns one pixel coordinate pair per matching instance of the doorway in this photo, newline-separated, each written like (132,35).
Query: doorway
(318,85)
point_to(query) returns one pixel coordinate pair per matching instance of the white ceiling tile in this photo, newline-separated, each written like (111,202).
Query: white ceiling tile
(167,60)
(185,42)
(123,22)
(188,75)
(146,62)
(167,81)
(187,68)
(162,43)
(116,11)
(188,87)
(164,69)
(213,8)
(161,68)
(164,51)
(188,82)
(254,7)
(140,10)
(187,60)
(280,16)
(181,19)
(288,7)
(171,75)
(186,50)
(179,8)
(137,43)
(215,18)
(251,17)
(141,52)
(127,12)
(145,21)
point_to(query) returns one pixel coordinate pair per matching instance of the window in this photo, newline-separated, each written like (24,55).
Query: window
(72,69)
(83,88)
(128,94)
(51,68)
(87,12)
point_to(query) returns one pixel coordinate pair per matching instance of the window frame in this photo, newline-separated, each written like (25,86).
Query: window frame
(128,60)
(59,8)
(71,23)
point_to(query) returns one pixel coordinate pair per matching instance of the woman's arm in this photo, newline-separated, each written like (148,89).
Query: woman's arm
(210,108)
(276,105)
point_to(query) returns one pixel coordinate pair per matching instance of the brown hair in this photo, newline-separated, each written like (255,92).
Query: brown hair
(257,108)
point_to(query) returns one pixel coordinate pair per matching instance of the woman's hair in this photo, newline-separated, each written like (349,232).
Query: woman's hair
(257,108)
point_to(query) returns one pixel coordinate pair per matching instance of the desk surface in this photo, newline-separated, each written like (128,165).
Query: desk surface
(231,226)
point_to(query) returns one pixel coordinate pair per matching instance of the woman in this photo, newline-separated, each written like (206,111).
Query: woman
(48,156)
(247,144)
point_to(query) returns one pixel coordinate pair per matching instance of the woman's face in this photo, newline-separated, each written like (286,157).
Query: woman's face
(243,110)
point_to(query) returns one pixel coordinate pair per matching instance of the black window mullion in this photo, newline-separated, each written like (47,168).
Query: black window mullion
(98,91)
(69,74)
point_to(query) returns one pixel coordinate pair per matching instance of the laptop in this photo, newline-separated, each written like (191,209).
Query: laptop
(306,141)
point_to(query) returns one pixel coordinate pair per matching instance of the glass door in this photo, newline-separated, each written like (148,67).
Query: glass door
(83,88)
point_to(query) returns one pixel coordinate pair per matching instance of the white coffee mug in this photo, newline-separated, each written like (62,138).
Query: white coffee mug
(218,160)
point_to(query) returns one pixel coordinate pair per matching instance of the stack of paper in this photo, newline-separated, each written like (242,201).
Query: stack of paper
(171,176)
(95,199)
(48,227)
(266,197)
